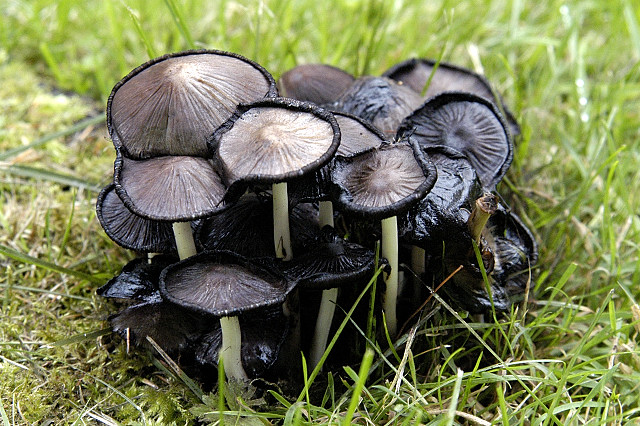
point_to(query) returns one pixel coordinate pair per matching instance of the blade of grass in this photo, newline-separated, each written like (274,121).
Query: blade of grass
(363,373)
(176,14)
(81,125)
(25,258)
(49,176)
(151,52)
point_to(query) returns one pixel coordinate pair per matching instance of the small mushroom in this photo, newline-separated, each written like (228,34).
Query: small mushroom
(317,83)
(224,284)
(380,184)
(270,142)
(432,78)
(466,123)
(176,189)
(330,262)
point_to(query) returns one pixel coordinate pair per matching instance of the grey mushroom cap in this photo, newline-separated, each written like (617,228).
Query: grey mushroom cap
(381,182)
(317,83)
(357,134)
(171,104)
(469,124)
(274,140)
(222,284)
(382,101)
(171,189)
(416,73)
(129,230)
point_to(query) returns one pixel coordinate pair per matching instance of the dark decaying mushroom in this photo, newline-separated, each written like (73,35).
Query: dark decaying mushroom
(129,230)
(381,101)
(330,262)
(270,142)
(171,104)
(431,78)
(380,184)
(138,280)
(466,123)
(317,83)
(224,284)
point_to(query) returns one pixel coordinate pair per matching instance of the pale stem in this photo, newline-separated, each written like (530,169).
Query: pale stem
(184,239)
(484,207)
(325,217)
(150,257)
(230,349)
(323,325)
(417,260)
(281,235)
(390,252)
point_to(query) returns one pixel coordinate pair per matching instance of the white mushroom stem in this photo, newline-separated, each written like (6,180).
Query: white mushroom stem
(323,325)
(328,301)
(230,349)
(325,217)
(390,252)
(184,239)
(281,233)
(417,260)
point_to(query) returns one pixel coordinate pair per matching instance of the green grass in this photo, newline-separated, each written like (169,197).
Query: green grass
(569,71)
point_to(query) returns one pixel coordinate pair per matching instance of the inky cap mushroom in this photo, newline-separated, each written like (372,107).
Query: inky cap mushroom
(317,83)
(130,230)
(466,123)
(222,284)
(381,101)
(171,104)
(416,73)
(170,188)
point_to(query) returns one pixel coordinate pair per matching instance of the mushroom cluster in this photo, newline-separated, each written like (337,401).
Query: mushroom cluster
(259,206)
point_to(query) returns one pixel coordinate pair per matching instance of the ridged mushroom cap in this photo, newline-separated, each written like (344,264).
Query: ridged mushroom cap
(171,104)
(274,140)
(171,188)
(416,73)
(129,230)
(469,124)
(222,284)
(381,182)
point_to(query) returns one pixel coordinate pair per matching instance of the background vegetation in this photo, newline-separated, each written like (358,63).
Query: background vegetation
(568,70)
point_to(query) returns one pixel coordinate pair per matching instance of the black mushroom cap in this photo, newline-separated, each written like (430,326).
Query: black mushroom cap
(515,250)
(416,73)
(138,280)
(129,230)
(274,140)
(169,325)
(331,262)
(469,124)
(429,221)
(169,188)
(222,284)
(381,182)
(317,83)
(246,228)
(357,134)
(171,104)
(380,100)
